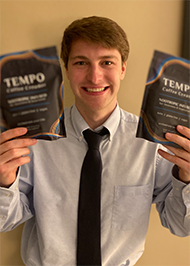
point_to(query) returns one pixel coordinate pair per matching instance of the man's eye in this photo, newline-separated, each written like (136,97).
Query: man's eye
(107,63)
(80,63)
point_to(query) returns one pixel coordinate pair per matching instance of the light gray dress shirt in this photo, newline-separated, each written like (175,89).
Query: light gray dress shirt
(45,194)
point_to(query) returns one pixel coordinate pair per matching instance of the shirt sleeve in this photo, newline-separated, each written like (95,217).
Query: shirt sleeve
(14,206)
(172,199)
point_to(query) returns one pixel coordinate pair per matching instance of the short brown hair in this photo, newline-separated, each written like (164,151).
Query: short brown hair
(101,30)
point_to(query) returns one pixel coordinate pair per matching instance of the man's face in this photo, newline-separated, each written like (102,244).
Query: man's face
(94,73)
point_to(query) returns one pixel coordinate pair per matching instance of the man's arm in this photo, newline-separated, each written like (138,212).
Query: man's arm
(175,209)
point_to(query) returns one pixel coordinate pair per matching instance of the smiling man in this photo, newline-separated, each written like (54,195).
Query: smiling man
(43,188)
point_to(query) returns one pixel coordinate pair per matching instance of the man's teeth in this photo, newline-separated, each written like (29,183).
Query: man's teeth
(95,89)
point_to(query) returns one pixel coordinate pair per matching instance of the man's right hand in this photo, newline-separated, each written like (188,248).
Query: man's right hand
(13,153)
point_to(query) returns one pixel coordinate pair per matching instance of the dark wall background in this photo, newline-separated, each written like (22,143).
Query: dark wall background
(185,51)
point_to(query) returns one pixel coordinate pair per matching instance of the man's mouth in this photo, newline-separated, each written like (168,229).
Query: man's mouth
(95,89)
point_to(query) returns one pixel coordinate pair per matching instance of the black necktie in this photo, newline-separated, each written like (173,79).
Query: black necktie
(89,209)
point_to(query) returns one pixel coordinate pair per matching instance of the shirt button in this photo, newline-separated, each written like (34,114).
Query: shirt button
(187,192)
(80,138)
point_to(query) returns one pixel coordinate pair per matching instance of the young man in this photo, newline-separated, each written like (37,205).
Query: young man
(42,188)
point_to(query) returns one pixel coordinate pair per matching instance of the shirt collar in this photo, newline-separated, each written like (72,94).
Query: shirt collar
(80,124)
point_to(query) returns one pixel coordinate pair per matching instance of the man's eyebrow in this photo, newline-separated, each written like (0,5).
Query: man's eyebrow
(109,57)
(82,57)
(79,57)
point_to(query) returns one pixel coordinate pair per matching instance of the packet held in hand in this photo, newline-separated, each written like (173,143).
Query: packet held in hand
(166,101)
(32,93)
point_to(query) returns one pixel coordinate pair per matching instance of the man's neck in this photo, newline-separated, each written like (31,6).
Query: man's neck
(95,118)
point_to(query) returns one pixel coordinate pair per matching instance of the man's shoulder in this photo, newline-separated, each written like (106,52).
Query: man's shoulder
(128,117)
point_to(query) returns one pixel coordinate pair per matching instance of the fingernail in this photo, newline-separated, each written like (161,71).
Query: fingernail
(168,135)
(180,127)
(23,130)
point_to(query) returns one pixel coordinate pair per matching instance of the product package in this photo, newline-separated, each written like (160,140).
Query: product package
(32,93)
(166,101)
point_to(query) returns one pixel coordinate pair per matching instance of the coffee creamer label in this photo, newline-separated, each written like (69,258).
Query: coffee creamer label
(166,101)
(32,93)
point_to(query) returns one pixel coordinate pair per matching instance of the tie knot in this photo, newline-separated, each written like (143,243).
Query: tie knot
(93,138)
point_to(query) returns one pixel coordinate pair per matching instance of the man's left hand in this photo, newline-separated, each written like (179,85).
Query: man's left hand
(180,157)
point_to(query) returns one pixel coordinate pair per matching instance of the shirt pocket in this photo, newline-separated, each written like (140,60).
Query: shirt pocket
(131,207)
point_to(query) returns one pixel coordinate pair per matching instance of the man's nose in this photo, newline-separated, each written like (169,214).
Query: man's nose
(94,74)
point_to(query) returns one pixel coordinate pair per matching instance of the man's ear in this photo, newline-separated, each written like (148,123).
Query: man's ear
(123,70)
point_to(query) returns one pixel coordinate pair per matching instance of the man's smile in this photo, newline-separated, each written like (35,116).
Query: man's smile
(88,89)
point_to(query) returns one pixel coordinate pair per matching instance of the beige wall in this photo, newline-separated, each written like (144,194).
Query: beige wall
(150,25)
